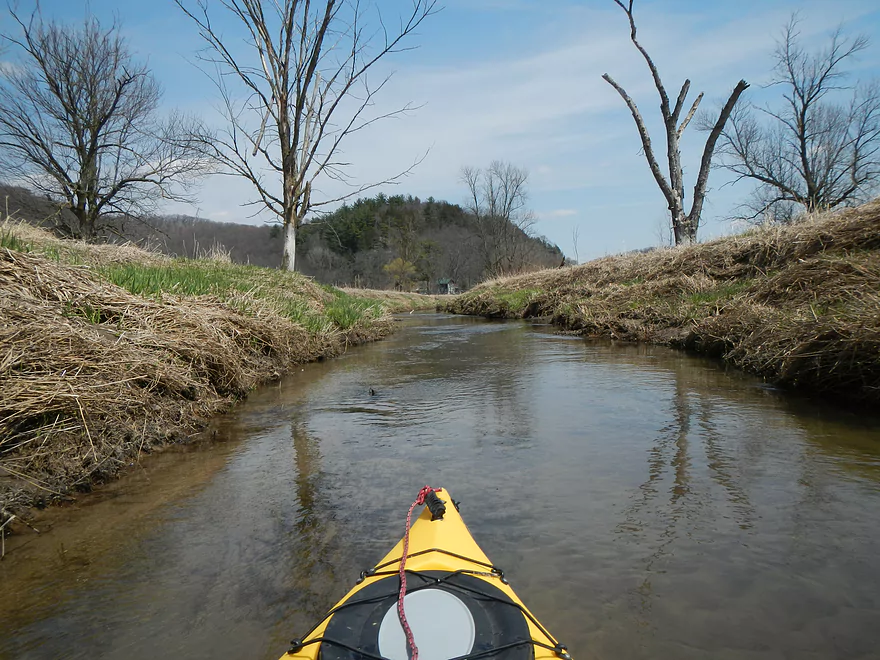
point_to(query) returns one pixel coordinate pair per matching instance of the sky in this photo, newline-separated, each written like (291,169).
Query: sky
(520,81)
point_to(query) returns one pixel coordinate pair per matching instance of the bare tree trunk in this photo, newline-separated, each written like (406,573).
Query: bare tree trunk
(681,231)
(306,90)
(287,260)
(684,224)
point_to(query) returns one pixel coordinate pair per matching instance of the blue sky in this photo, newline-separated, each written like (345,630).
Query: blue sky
(520,80)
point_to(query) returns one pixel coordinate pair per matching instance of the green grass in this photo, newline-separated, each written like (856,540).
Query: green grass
(84,311)
(284,290)
(182,277)
(69,256)
(10,241)
(346,311)
(242,287)
(517,301)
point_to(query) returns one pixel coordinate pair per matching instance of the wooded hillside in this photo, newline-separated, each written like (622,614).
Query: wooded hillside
(400,240)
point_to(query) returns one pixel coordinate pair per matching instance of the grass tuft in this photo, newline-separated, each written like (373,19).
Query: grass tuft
(347,311)
(11,241)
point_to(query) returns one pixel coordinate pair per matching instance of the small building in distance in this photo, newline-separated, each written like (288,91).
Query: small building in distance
(447,285)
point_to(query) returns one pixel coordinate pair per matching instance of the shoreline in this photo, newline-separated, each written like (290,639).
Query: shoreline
(110,352)
(797,305)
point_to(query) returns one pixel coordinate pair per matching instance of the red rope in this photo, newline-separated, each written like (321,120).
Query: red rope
(420,499)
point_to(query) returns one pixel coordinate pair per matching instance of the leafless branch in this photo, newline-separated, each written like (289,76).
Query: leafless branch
(79,122)
(671,184)
(308,91)
(818,149)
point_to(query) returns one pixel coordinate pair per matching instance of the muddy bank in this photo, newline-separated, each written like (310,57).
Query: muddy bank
(93,375)
(798,305)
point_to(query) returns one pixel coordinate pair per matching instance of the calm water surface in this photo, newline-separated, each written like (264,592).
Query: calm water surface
(645,504)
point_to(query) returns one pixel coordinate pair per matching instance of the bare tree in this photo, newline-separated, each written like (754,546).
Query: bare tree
(575,240)
(684,224)
(79,123)
(306,90)
(663,232)
(821,148)
(497,198)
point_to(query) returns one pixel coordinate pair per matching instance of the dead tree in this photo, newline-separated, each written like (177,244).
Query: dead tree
(684,224)
(306,90)
(79,123)
(497,199)
(821,148)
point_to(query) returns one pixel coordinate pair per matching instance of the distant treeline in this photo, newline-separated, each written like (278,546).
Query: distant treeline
(176,235)
(400,240)
(381,242)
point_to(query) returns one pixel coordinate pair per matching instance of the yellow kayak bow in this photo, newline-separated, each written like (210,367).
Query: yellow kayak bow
(457,604)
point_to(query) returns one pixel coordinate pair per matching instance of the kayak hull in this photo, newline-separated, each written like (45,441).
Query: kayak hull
(442,557)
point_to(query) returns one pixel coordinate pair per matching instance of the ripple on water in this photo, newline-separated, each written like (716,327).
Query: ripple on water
(644,503)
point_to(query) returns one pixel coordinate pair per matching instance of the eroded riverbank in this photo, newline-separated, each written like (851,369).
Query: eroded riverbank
(108,352)
(797,305)
(643,502)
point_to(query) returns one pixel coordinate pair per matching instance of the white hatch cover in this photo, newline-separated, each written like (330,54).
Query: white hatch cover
(441,624)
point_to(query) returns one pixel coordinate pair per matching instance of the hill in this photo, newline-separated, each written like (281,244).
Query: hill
(440,241)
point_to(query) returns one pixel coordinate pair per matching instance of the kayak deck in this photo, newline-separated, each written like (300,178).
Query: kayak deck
(460,605)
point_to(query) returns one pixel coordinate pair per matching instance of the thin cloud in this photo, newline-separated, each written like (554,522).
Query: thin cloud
(558,213)
(542,105)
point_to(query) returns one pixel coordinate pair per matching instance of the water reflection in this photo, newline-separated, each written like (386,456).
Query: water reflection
(315,564)
(723,465)
(645,504)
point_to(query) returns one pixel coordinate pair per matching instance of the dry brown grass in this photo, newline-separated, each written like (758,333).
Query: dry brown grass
(92,376)
(799,305)
(80,252)
(400,301)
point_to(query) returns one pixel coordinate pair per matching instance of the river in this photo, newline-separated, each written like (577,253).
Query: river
(644,504)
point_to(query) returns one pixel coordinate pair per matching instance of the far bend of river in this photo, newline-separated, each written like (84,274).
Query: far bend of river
(644,503)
